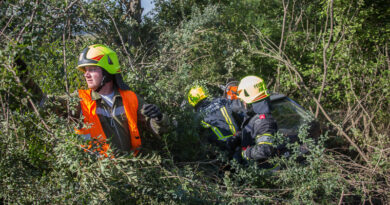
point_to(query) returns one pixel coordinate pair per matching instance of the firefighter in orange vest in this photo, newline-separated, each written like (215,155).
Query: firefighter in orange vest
(110,109)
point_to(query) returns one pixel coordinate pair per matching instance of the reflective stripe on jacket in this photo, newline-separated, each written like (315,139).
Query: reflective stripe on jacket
(258,132)
(94,128)
(217,117)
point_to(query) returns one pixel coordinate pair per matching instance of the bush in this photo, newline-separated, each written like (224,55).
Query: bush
(328,54)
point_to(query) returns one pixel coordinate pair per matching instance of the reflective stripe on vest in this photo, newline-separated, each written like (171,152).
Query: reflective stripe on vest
(94,128)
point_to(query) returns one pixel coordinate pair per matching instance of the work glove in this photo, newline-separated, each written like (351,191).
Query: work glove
(237,155)
(234,141)
(152,111)
(245,153)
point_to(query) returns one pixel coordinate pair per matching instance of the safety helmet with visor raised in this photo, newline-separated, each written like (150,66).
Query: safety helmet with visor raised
(99,55)
(105,58)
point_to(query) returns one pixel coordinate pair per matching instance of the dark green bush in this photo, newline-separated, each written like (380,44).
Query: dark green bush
(331,56)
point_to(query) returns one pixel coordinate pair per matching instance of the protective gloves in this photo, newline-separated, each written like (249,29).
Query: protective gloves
(152,111)
(234,141)
(245,153)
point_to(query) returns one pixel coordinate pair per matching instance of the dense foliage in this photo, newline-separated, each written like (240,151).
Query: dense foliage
(331,56)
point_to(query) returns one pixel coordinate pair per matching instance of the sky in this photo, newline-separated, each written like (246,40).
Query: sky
(147,5)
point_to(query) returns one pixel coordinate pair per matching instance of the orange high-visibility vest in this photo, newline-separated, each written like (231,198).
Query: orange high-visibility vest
(94,128)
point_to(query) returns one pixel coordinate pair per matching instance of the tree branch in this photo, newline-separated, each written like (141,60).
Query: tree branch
(285,7)
(30,21)
(324,59)
(121,38)
(16,77)
(301,84)
(64,63)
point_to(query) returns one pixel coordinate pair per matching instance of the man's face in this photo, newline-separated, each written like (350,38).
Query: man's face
(93,75)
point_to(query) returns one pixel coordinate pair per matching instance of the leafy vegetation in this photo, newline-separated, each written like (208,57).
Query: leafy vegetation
(330,55)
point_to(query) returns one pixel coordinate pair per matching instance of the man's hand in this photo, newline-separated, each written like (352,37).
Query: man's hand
(152,111)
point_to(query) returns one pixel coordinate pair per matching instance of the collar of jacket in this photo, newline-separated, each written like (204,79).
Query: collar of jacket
(96,96)
(202,104)
(262,107)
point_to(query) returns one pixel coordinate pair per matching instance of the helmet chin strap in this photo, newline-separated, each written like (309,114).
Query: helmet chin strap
(106,78)
(102,83)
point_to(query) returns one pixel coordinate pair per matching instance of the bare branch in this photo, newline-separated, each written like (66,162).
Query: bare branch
(121,38)
(30,21)
(301,84)
(65,69)
(16,77)
(5,27)
(330,12)
(285,7)
(341,198)
(70,6)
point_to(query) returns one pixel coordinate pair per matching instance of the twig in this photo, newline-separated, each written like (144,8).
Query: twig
(121,38)
(5,27)
(199,162)
(5,107)
(70,6)
(9,39)
(301,84)
(252,196)
(324,54)
(30,21)
(29,98)
(65,69)
(387,56)
(362,107)
(341,197)
(285,7)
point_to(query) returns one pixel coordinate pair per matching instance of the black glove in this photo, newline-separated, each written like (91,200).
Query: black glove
(234,141)
(152,111)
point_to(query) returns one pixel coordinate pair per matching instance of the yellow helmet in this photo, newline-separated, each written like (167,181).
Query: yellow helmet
(252,89)
(99,55)
(196,94)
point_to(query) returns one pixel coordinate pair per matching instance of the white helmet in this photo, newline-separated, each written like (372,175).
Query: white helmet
(252,89)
